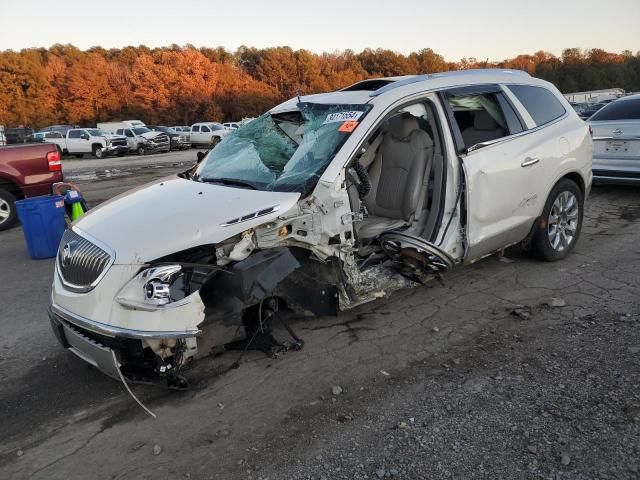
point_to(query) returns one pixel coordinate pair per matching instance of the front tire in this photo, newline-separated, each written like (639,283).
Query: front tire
(97,152)
(8,214)
(141,150)
(561,222)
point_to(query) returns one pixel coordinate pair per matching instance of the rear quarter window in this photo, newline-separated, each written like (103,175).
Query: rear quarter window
(542,105)
(619,110)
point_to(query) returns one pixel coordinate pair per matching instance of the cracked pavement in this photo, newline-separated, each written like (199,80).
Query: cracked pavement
(440,381)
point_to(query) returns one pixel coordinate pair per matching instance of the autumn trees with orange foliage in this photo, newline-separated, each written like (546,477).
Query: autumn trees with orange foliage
(181,85)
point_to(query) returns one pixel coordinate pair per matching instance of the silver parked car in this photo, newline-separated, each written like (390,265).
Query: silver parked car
(616,140)
(323,203)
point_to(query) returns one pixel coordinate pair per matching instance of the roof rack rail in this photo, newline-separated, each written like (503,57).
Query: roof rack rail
(455,73)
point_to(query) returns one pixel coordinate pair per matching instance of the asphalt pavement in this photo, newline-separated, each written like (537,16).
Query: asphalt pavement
(442,381)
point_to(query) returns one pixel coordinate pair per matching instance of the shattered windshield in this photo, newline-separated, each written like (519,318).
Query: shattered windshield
(284,152)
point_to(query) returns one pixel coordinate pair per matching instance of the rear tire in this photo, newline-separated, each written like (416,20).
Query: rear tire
(8,216)
(215,141)
(561,222)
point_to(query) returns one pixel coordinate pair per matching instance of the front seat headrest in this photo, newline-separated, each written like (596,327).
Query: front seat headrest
(483,121)
(401,126)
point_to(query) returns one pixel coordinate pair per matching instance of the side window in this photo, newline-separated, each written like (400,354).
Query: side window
(75,133)
(195,128)
(204,128)
(542,105)
(128,133)
(119,131)
(479,117)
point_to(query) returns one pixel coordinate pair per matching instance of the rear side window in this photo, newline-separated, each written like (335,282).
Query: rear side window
(542,105)
(619,110)
(479,118)
(195,128)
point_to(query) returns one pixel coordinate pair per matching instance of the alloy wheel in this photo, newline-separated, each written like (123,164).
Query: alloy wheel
(562,223)
(5,210)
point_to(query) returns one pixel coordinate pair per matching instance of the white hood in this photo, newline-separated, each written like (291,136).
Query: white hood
(174,214)
(151,135)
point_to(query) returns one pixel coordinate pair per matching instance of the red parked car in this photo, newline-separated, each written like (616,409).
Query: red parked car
(26,171)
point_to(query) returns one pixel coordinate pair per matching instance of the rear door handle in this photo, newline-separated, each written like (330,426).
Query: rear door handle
(529,161)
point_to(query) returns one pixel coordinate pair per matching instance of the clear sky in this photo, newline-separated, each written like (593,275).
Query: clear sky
(493,29)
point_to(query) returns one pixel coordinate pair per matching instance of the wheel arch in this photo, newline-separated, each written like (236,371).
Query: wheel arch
(11,187)
(576,178)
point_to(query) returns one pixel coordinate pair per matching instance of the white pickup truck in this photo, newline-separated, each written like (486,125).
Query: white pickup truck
(80,141)
(139,138)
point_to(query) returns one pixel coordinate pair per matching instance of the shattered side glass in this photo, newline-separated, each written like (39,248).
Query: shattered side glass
(285,152)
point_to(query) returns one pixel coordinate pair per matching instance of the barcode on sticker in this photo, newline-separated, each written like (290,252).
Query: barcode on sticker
(342,116)
(60,204)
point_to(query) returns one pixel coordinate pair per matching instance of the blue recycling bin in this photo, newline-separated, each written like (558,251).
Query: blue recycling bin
(43,224)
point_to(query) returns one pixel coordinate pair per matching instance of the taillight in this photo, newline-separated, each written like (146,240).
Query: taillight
(54,161)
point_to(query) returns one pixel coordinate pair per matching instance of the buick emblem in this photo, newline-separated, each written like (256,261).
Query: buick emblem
(67,253)
(617,132)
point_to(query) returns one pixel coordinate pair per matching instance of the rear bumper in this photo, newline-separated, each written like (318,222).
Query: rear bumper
(616,176)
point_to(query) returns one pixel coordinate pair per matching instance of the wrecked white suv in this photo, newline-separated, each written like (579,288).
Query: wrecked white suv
(323,203)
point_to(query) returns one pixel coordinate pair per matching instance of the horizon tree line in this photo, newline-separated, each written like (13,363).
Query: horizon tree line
(180,85)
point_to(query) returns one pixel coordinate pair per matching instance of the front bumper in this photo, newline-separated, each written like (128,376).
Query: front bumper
(180,143)
(96,343)
(116,149)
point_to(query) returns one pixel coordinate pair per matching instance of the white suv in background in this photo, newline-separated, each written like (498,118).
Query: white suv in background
(208,133)
(323,203)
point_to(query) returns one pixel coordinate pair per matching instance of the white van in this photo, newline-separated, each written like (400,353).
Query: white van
(321,204)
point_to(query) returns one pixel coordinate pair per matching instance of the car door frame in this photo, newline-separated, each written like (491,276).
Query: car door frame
(195,134)
(76,145)
(490,224)
(444,241)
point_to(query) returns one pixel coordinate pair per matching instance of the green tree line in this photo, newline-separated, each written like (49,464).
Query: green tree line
(184,84)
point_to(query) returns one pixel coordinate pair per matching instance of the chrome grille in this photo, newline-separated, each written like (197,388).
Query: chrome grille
(162,141)
(80,262)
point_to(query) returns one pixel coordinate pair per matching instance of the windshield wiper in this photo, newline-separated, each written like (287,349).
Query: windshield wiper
(229,181)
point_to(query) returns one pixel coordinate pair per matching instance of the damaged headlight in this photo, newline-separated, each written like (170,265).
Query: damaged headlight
(162,286)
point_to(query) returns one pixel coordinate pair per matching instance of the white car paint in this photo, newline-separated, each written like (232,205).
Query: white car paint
(492,198)
(183,204)
(616,140)
(207,133)
(86,140)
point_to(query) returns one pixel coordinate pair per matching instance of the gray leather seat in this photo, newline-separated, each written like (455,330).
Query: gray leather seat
(396,176)
(484,129)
